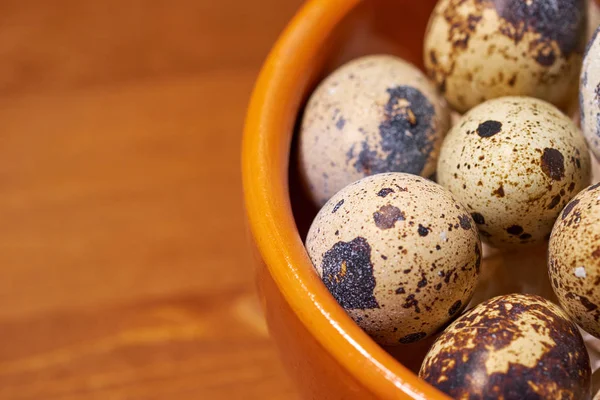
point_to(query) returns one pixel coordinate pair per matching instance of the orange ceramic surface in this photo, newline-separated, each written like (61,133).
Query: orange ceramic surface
(324,351)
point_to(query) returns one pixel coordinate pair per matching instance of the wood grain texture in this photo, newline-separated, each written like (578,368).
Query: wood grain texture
(124,269)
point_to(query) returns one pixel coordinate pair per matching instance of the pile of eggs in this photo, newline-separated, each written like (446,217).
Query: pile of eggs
(408,194)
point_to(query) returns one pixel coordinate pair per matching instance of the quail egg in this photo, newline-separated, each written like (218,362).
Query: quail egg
(574,259)
(374,114)
(511,347)
(589,95)
(398,253)
(514,162)
(478,50)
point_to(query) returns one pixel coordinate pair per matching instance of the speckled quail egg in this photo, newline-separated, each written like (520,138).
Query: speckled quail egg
(589,95)
(372,115)
(398,253)
(514,162)
(511,347)
(478,50)
(574,259)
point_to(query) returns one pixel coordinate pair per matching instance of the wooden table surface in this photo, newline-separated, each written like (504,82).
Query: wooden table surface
(124,271)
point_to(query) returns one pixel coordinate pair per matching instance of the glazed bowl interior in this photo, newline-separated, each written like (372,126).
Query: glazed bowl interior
(322,36)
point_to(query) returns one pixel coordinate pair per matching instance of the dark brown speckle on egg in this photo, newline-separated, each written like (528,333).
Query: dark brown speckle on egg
(423,231)
(384,192)
(478,218)
(489,128)
(338,205)
(553,164)
(348,274)
(386,216)
(514,229)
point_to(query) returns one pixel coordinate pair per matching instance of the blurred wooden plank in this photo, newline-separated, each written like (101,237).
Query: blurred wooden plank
(212,346)
(119,193)
(49,45)
(123,254)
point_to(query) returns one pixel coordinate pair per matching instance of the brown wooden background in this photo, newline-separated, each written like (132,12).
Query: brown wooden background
(123,267)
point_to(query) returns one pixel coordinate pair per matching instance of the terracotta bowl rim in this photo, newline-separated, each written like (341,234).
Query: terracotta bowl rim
(265,160)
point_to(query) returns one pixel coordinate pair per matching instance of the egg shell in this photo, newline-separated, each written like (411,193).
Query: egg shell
(479,50)
(514,162)
(589,95)
(372,115)
(398,253)
(515,346)
(574,259)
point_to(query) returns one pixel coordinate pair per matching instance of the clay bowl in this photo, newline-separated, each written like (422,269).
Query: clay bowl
(324,351)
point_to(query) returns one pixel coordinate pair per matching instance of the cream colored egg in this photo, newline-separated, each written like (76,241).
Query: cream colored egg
(479,50)
(374,114)
(574,259)
(398,253)
(589,95)
(511,347)
(514,162)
